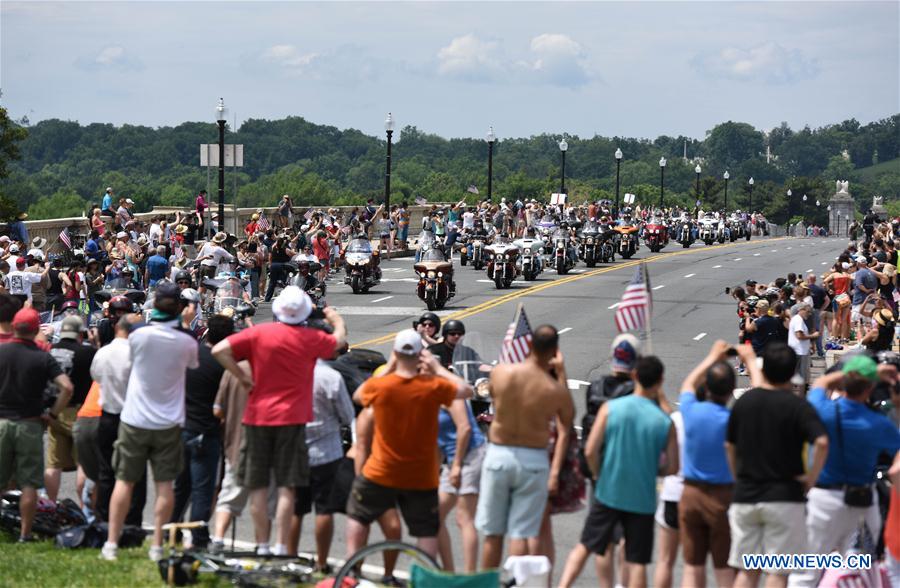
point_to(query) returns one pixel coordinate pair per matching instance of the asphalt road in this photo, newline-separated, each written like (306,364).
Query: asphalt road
(690,311)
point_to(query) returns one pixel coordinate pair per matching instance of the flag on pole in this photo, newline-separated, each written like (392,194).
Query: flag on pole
(262,224)
(421,201)
(308,214)
(64,237)
(633,312)
(179,251)
(473,189)
(517,342)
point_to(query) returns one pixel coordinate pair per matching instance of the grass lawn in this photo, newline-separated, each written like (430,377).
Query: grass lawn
(42,564)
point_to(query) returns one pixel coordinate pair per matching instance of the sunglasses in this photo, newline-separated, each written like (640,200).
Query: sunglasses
(426,324)
(183,282)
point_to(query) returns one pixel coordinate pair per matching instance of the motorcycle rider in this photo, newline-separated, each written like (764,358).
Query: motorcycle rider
(105,329)
(453,332)
(480,231)
(428,326)
(571,242)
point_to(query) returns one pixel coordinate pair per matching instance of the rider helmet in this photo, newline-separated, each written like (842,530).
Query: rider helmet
(453,326)
(121,303)
(69,305)
(433,318)
(183,276)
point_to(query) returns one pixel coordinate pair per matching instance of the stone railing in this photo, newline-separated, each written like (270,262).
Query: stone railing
(80,226)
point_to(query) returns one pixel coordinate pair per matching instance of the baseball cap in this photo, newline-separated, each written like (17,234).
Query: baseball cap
(166,290)
(625,350)
(129,201)
(845,265)
(71,327)
(121,235)
(408,342)
(27,319)
(861,259)
(292,306)
(20,261)
(863,365)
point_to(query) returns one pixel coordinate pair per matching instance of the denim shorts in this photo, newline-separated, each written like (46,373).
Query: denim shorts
(513,492)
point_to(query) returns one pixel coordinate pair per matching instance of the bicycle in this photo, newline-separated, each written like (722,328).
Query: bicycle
(409,552)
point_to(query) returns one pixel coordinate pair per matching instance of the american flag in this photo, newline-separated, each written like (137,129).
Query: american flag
(64,237)
(179,251)
(421,201)
(633,311)
(517,342)
(263,223)
(308,214)
(473,189)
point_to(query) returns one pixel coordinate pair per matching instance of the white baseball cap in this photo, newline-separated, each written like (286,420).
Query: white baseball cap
(408,342)
(292,306)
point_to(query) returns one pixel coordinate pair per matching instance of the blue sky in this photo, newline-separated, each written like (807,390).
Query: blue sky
(454,68)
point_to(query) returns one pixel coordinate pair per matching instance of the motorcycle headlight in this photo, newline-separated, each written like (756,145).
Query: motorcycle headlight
(440,274)
(590,241)
(430,274)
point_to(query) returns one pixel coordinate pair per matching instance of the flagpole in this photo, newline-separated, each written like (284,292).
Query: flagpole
(648,328)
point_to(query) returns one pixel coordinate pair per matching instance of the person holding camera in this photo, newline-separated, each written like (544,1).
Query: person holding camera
(844,493)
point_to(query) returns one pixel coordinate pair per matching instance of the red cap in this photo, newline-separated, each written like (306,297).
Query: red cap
(21,261)
(27,318)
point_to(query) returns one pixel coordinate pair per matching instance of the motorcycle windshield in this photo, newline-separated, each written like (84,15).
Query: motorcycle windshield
(433,255)
(590,227)
(360,246)
(474,357)
(559,234)
(426,240)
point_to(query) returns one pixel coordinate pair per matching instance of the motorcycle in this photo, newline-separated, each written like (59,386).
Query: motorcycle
(436,285)
(462,247)
(656,235)
(561,260)
(531,262)
(708,230)
(362,266)
(479,242)
(473,359)
(502,265)
(308,281)
(589,243)
(721,232)
(685,233)
(607,243)
(626,240)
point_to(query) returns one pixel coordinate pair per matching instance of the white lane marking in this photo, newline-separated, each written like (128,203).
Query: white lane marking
(413,280)
(578,271)
(658,287)
(690,275)
(395,269)
(809,270)
(756,255)
(577,383)
(613,306)
(716,266)
(824,263)
(700,336)
(774,251)
(738,258)
(386,310)
(790,247)
(383,299)
(566,330)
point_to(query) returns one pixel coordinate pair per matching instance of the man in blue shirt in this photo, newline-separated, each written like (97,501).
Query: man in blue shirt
(708,483)
(157,267)
(864,283)
(92,248)
(632,432)
(106,205)
(857,435)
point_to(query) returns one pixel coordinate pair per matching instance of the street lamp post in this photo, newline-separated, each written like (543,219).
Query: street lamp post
(697,171)
(490,141)
(662,180)
(790,195)
(389,129)
(220,121)
(618,163)
(750,205)
(726,175)
(563,147)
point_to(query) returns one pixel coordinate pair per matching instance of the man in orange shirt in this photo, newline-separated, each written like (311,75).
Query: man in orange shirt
(403,469)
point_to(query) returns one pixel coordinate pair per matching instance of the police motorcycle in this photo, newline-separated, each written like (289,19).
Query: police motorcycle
(435,273)
(563,258)
(503,261)
(589,242)
(362,265)
(531,262)
(709,227)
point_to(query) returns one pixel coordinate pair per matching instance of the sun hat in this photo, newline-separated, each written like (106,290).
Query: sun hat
(122,235)
(884,316)
(863,365)
(292,306)
(181,229)
(219,237)
(38,242)
(408,342)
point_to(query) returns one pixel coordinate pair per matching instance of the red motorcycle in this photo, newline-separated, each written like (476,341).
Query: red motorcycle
(656,234)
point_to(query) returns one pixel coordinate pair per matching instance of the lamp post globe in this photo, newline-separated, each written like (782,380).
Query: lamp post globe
(490,138)
(389,130)
(618,155)
(221,112)
(563,147)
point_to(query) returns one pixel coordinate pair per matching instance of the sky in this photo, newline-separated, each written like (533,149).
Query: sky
(636,69)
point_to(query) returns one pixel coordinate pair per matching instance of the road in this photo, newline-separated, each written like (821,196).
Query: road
(690,311)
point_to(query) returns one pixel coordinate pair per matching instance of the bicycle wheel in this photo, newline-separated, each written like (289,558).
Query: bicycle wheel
(406,555)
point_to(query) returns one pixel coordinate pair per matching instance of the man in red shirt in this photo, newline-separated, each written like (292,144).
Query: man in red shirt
(282,356)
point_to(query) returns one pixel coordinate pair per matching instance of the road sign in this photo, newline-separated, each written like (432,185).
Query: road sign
(556,198)
(209,155)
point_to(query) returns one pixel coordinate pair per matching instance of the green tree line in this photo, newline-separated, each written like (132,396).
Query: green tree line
(63,166)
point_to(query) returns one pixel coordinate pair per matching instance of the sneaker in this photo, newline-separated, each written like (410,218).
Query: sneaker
(156,553)
(279,549)
(109,551)
(263,549)
(216,546)
(392,581)
(26,539)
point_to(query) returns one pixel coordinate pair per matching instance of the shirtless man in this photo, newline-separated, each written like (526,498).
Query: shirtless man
(516,475)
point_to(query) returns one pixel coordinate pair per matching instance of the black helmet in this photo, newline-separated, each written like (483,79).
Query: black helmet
(430,316)
(182,275)
(121,303)
(453,326)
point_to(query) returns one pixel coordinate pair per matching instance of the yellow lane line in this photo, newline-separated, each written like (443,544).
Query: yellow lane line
(494,302)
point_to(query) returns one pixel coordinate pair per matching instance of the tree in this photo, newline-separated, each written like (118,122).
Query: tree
(731,143)
(62,204)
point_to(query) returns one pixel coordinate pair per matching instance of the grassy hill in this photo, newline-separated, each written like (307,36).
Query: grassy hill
(868,174)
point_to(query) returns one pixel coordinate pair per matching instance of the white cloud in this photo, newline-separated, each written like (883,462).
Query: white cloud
(345,64)
(289,56)
(471,58)
(559,60)
(769,62)
(111,57)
